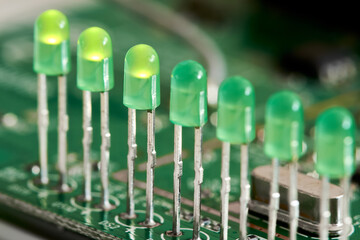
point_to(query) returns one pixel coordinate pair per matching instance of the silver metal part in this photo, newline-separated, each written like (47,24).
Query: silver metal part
(197,182)
(105,150)
(178,166)
(324,209)
(225,189)
(87,140)
(309,192)
(151,163)
(43,123)
(245,190)
(347,221)
(132,154)
(274,199)
(293,201)
(63,126)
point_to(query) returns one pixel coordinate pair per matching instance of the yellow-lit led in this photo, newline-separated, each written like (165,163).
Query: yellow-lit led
(95,61)
(95,58)
(52,27)
(52,43)
(142,78)
(143,75)
(51,40)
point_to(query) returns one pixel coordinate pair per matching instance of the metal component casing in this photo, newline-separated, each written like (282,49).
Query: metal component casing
(309,190)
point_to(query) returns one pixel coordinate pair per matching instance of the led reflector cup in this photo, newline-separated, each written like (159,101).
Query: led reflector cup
(95,71)
(236,111)
(188,96)
(335,143)
(142,78)
(284,126)
(52,44)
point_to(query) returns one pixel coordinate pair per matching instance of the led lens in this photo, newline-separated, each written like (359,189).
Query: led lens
(188,96)
(284,126)
(51,44)
(335,143)
(95,61)
(236,115)
(141,78)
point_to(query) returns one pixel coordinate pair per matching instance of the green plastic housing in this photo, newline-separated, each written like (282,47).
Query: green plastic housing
(236,111)
(188,94)
(51,44)
(284,126)
(95,70)
(335,143)
(141,78)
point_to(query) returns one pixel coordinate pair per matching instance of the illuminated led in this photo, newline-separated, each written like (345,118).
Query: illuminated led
(51,44)
(95,61)
(141,78)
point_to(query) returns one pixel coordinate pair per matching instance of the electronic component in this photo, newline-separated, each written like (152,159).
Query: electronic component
(95,61)
(309,190)
(95,74)
(52,57)
(188,108)
(52,44)
(235,125)
(284,130)
(336,128)
(78,210)
(142,92)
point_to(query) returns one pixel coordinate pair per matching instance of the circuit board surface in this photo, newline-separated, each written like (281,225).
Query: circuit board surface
(18,133)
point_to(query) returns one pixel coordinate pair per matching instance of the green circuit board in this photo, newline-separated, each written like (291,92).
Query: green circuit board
(19,148)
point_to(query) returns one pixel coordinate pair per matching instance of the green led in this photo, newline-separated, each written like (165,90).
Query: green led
(335,143)
(188,96)
(236,111)
(141,78)
(284,126)
(95,71)
(52,44)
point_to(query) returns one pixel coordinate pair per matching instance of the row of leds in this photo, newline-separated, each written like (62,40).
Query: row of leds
(284,132)
(284,126)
